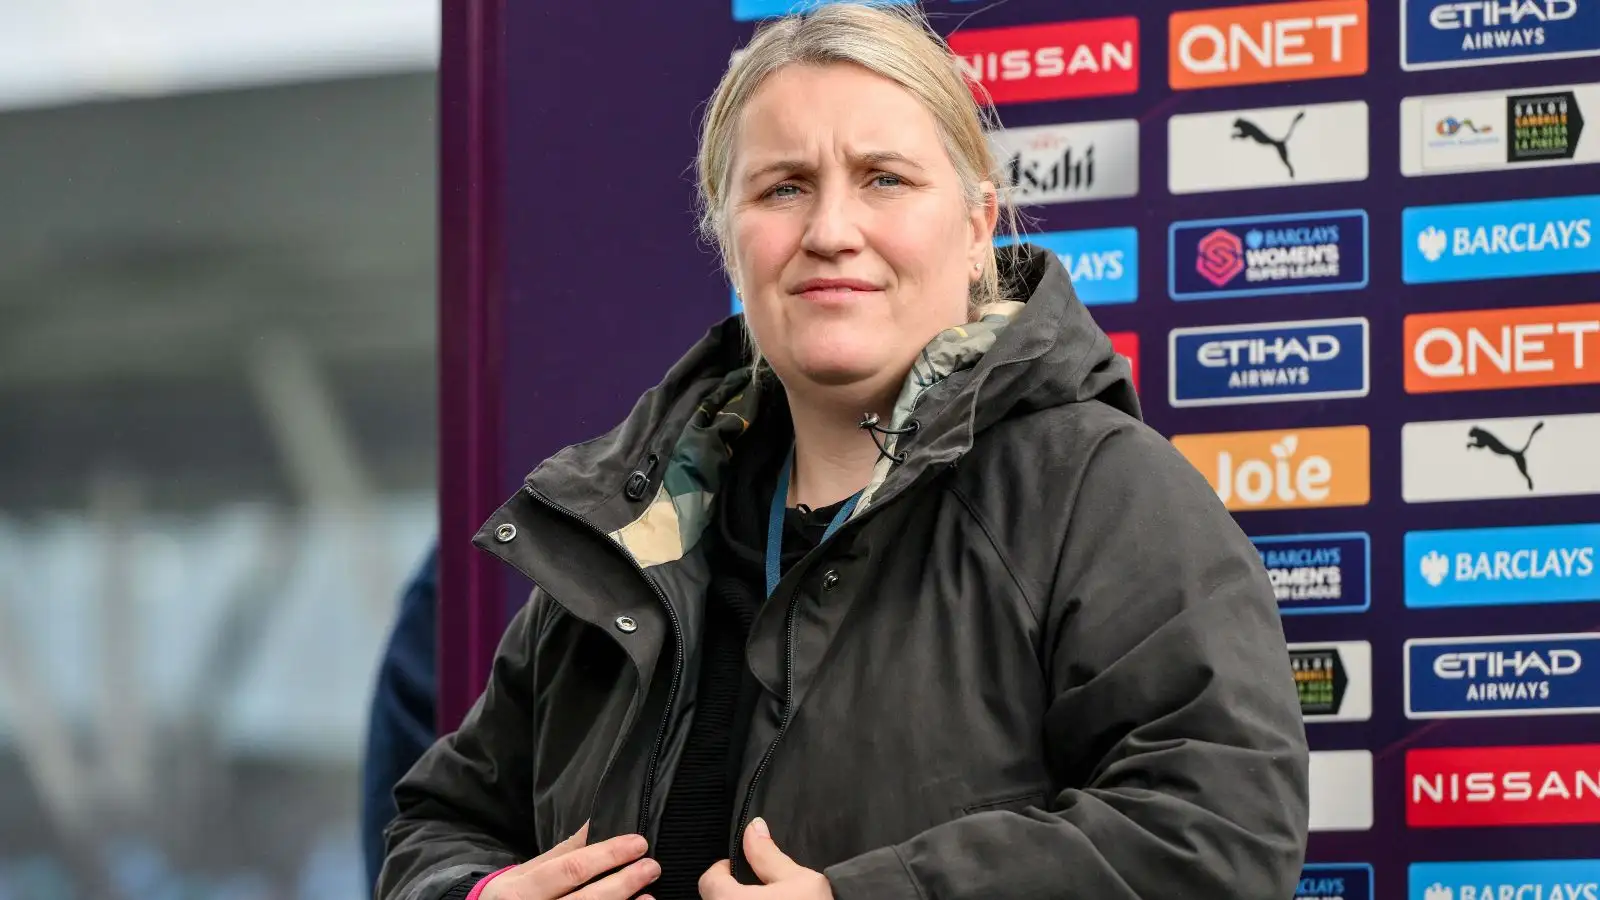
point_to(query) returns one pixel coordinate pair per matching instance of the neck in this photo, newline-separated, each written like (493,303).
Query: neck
(833,455)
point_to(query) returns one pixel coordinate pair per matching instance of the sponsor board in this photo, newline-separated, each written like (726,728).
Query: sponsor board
(1209,259)
(1341,790)
(1318,573)
(1491,349)
(1502,566)
(1127,344)
(1334,680)
(1334,881)
(1456,787)
(1505,675)
(1505,879)
(1268,362)
(1267,42)
(1288,469)
(1103,262)
(1052,61)
(1489,459)
(1069,162)
(1278,146)
(1521,129)
(750,10)
(1446,34)
(1503,239)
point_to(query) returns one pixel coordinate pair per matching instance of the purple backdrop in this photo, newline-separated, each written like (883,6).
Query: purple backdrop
(604,284)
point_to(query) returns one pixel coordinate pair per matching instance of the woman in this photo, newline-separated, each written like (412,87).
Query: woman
(920,610)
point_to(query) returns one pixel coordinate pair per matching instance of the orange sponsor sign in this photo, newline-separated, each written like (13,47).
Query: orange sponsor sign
(1267,42)
(1477,350)
(1290,469)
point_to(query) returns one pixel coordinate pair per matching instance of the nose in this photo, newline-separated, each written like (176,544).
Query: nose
(832,227)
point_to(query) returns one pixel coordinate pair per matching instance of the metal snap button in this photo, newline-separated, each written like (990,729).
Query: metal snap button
(830,579)
(505,533)
(627,625)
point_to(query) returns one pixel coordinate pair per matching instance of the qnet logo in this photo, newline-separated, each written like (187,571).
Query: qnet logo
(1053,61)
(1478,786)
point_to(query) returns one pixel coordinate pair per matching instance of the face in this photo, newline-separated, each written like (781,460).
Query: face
(851,240)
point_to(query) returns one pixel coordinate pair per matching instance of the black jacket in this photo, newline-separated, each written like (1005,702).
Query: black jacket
(1039,660)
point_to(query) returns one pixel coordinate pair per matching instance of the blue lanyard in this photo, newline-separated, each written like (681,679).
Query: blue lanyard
(780,496)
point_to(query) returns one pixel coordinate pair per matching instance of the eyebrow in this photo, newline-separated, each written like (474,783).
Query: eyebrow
(858,160)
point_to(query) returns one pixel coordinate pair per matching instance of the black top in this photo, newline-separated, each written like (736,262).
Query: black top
(697,821)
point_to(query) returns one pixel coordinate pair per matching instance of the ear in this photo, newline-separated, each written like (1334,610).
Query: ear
(983,217)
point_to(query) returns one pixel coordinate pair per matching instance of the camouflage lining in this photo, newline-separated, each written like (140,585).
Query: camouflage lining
(673,522)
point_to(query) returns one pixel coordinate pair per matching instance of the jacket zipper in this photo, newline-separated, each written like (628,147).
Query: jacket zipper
(772,748)
(677,661)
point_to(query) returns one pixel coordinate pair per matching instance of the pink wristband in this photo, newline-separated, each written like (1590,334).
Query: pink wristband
(477,890)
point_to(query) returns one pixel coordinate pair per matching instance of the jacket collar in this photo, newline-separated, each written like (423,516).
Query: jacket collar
(648,484)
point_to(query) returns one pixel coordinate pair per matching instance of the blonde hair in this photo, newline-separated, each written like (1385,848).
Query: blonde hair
(896,43)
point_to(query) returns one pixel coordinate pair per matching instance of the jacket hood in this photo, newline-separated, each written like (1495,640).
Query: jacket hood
(1021,356)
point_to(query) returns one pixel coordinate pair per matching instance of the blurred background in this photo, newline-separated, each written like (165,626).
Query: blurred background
(217,444)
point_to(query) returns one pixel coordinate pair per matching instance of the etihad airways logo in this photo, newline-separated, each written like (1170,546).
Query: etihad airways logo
(1269,362)
(1269,42)
(1516,675)
(1479,786)
(1303,467)
(1053,61)
(1443,34)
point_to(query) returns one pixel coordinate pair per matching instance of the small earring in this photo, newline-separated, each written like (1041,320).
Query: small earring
(977,267)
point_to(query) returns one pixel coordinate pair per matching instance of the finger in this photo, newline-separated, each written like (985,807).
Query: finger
(621,885)
(716,881)
(577,868)
(575,840)
(766,860)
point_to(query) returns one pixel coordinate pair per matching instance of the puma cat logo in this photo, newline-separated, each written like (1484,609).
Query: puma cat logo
(1480,439)
(1245,129)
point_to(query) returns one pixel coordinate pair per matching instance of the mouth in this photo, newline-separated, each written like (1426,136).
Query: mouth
(834,289)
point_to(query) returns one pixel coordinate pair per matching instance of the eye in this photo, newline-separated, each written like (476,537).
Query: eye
(886,179)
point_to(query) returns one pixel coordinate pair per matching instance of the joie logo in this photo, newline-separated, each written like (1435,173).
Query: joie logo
(1334,680)
(1505,879)
(1334,881)
(1270,147)
(1270,42)
(1054,61)
(1505,239)
(1210,259)
(1522,675)
(1502,566)
(1103,262)
(1443,34)
(1071,162)
(1304,467)
(1270,362)
(750,10)
(1531,346)
(1487,459)
(1318,573)
(1478,786)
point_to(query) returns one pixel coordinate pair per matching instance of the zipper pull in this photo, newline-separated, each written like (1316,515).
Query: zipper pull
(639,479)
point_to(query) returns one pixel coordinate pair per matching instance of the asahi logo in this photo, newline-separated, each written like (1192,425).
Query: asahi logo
(1064,163)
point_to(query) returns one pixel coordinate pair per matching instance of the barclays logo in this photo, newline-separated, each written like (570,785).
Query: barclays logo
(1318,573)
(1334,881)
(1540,879)
(1505,239)
(1502,566)
(1103,263)
(1209,259)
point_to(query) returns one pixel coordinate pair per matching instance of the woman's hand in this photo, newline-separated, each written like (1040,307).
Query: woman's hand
(562,870)
(781,877)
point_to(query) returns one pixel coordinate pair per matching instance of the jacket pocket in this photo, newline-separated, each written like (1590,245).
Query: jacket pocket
(1010,803)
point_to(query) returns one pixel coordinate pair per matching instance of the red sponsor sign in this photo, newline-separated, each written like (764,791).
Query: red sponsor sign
(1474,786)
(1127,344)
(1053,61)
